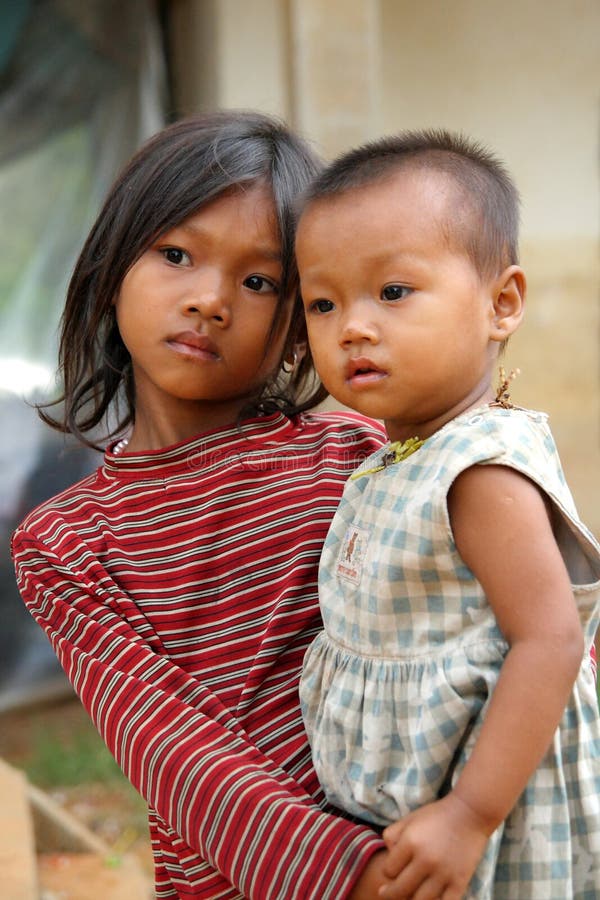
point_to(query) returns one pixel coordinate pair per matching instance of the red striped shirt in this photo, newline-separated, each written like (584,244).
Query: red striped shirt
(178,588)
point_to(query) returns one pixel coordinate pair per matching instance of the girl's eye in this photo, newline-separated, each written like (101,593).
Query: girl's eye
(260,284)
(395,292)
(321,306)
(176,256)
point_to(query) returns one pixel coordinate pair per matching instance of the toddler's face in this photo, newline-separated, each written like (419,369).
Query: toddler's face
(399,322)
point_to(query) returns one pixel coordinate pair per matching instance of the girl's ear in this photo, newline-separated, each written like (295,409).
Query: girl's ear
(293,359)
(508,298)
(300,349)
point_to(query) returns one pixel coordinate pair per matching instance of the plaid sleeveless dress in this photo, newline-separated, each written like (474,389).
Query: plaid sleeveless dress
(395,689)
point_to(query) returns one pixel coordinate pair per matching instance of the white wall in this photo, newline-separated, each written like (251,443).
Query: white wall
(523,76)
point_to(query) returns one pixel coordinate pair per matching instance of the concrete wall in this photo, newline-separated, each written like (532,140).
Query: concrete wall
(522,76)
(230,53)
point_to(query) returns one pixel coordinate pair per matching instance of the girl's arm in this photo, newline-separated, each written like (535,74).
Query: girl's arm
(503,533)
(183,750)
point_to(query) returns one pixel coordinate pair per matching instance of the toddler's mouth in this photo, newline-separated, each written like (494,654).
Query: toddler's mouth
(363,371)
(363,366)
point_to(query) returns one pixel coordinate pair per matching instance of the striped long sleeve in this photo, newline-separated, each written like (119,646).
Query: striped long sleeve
(178,590)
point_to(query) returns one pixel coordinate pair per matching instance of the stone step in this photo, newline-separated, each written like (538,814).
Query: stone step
(86,876)
(18,864)
(47,854)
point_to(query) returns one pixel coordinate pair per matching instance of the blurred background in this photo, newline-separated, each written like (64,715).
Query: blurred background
(84,82)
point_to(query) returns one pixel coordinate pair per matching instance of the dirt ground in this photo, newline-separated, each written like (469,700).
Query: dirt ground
(59,749)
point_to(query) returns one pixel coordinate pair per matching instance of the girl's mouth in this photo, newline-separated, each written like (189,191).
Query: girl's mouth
(193,345)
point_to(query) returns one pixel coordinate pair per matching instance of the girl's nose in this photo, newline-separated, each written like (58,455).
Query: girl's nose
(208,299)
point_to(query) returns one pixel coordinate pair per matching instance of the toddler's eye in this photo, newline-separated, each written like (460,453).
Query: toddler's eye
(395,292)
(176,256)
(260,284)
(321,306)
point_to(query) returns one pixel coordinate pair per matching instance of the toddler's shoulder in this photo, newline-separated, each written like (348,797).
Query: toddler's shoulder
(487,435)
(497,430)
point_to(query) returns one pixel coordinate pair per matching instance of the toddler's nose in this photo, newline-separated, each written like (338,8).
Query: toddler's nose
(356,329)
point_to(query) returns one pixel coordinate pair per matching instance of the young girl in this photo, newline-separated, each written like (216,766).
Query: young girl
(450,693)
(177,584)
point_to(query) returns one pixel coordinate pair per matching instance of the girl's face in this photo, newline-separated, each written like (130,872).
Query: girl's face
(195,312)
(400,323)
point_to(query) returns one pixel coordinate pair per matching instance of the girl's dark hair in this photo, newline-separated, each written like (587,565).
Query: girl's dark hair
(171,177)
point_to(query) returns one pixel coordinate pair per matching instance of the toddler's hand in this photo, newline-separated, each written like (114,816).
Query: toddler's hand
(434,850)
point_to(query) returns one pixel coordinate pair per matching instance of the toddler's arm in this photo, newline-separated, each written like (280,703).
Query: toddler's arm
(181,748)
(503,532)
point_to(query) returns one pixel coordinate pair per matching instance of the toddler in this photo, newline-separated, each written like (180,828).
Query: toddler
(450,696)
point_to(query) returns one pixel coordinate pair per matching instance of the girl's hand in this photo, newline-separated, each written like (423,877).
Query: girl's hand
(372,878)
(434,851)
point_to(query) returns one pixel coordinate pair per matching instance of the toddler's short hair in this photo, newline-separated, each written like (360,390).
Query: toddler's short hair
(483,217)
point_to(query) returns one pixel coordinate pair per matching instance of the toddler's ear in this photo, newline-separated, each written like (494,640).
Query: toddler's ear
(509,291)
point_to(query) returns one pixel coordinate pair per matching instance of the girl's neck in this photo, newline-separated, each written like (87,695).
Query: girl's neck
(157,431)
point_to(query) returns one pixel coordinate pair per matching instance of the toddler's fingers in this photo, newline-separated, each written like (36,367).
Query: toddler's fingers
(452,893)
(432,888)
(393,832)
(399,856)
(407,882)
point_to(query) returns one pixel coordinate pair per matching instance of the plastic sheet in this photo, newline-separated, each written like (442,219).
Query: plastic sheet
(81,85)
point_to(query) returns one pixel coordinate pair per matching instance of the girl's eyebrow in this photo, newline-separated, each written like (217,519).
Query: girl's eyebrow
(267,251)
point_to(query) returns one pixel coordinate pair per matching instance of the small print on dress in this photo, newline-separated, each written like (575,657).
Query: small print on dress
(352,554)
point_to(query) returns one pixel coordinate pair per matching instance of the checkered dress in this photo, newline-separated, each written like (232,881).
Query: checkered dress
(395,689)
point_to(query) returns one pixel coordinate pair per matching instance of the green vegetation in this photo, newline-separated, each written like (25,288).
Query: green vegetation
(49,197)
(60,751)
(56,760)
